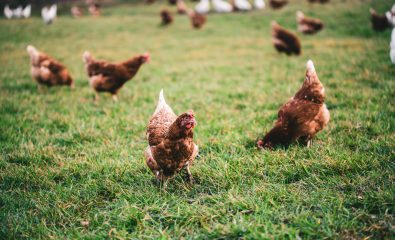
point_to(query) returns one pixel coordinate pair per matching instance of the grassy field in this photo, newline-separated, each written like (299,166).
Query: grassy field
(70,168)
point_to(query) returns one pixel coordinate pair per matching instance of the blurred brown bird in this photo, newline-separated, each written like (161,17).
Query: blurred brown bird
(197,20)
(47,71)
(166,17)
(94,9)
(379,22)
(76,11)
(284,40)
(308,25)
(170,142)
(181,7)
(318,1)
(110,77)
(277,4)
(302,117)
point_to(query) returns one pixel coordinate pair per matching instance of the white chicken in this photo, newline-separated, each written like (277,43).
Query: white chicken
(49,14)
(27,11)
(203,7)
(259,4)
(392,46)
(390,15)
(221,6)
(17,12)
(242,5)
(8,12)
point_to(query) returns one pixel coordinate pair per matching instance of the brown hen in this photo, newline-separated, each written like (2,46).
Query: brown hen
(379,22)
(197,20)
(166,17)
(277,4)
(284,40)
(302,116)
(308,25)
(47,71)
(170,142)
(110,77)
(181,7)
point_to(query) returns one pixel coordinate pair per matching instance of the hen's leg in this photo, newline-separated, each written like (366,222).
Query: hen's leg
(115,97)
(40,88)
(96,97)
(306,140)
(165,184)
(190,177)
(309,142)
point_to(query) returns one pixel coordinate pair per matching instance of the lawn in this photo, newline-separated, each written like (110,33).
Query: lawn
(70,168)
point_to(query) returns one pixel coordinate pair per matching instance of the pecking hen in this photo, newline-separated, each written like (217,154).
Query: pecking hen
(302,116)
(308,25)
(379,22)
(76,11)
(197,19)
(203,7)
(110,77)
(181,7)
(277,4)
(284,40)
(48,14)
(166,18)
(221,6)
(242,5)
(318,1)
(95,9)
(47,71)
(170,142)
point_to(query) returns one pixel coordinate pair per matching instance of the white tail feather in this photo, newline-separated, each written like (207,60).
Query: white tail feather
(87,57)
(162,103)
(299,15)
(310,66)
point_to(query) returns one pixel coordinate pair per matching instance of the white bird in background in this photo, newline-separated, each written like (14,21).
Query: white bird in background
(242,5)
(259,4)
(17,12)
(49,14)
(8,12)
(390,15)
(27,11)
(392,46)
(203,7)
(222,6)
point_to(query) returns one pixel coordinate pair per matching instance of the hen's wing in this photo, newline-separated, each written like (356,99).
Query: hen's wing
(101,68)
(160,122)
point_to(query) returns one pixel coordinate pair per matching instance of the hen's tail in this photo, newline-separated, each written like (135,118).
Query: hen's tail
(161,103)
(299,15)
(310,66)
(87,57)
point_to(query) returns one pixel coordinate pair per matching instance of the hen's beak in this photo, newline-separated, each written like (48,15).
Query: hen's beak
(147,57)
(191,124)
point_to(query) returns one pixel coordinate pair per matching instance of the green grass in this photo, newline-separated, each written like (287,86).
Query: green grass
(65,160)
